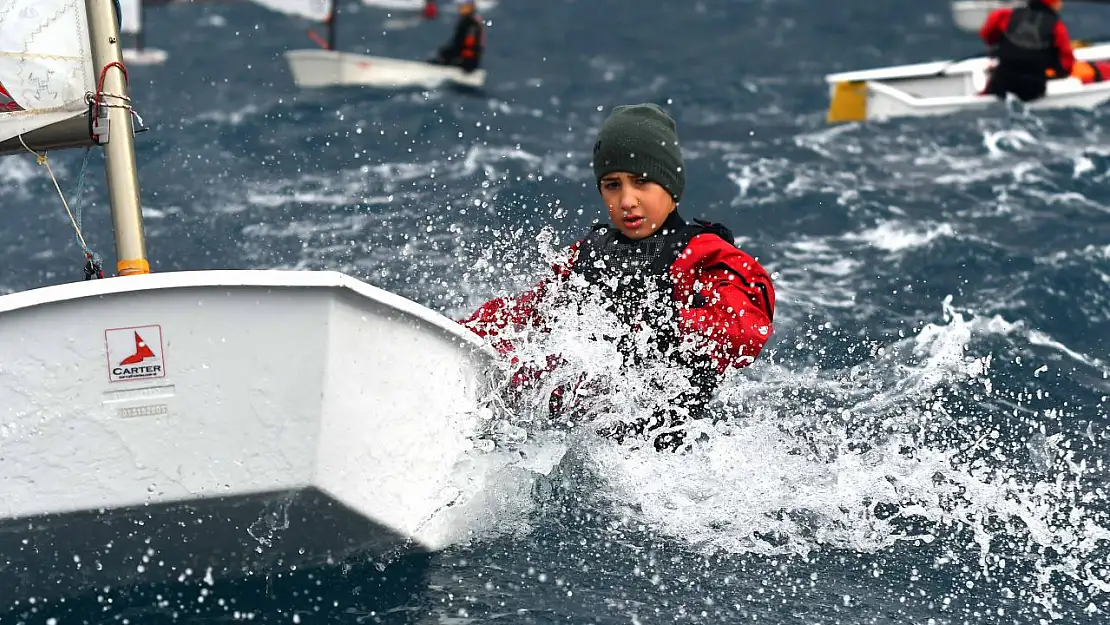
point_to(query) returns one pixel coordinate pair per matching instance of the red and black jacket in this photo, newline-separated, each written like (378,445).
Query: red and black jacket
(1029,40)
(715,297)
(467,44)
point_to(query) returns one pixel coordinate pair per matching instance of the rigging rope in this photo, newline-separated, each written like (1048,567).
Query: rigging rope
(42,160)
(92,260)
(93,267)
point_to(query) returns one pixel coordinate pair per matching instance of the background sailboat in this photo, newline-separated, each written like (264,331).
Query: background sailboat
(134,16)
(327,66)
(969,15)
(207,421)
(417,5)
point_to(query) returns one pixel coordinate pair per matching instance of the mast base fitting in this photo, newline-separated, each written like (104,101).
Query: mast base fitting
(132,267)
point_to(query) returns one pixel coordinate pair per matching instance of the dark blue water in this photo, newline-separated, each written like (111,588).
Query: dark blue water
(924,438)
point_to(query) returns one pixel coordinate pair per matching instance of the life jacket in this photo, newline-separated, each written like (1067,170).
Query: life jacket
(1028,46)
(632,279)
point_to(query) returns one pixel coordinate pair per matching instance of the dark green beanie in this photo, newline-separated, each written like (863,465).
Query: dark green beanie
(641,139)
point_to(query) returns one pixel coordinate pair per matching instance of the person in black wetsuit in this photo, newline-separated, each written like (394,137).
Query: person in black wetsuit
(689,300)
(1031,44)
(468,42)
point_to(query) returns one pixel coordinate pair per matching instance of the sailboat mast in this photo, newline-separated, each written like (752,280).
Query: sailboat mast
(332,14)
(119,153)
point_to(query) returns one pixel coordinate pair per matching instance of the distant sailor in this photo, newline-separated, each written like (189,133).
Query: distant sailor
(466,46)
(1031,44)
(691,301)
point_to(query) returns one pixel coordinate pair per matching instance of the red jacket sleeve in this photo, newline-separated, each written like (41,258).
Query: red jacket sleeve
(726,301)
(995,26)
(1063,47)
(516,312)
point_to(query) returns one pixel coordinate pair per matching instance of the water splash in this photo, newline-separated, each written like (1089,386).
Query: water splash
(922,443)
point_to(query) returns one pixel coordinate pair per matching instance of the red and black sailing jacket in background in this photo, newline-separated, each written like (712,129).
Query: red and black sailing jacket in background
(708,293)
(1029,40)
(467,44)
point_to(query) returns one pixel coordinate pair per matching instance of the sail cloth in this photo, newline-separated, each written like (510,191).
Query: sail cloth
(46,64)
(316,10)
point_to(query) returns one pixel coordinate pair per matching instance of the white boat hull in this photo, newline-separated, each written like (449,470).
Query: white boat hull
(969,15)
(885,102)
(418,5)
(146,56)
(267,418)
(328,68)
(945,87)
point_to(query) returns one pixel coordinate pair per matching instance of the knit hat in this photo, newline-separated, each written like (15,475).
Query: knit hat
(641,139)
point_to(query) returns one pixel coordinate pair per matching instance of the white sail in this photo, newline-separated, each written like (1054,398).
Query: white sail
(317,10)
(132,15)
(45,63)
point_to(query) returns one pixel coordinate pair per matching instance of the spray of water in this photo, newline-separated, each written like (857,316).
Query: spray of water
(921,442)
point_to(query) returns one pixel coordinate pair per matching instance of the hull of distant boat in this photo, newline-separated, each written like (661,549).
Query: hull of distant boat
(884,101)
(225,422)
(417,5)
(329,68)
(969,15)
(944,88)
(146,56)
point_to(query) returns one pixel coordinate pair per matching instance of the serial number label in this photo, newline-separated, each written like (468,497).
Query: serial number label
(143,411)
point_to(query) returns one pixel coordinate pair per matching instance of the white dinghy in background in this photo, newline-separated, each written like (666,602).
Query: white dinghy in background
(945,88)
(418,5)
(969,15)
(219,421)
(328,67)
(134,17)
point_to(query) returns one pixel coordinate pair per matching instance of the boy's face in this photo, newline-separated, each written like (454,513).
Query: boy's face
(637,206)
